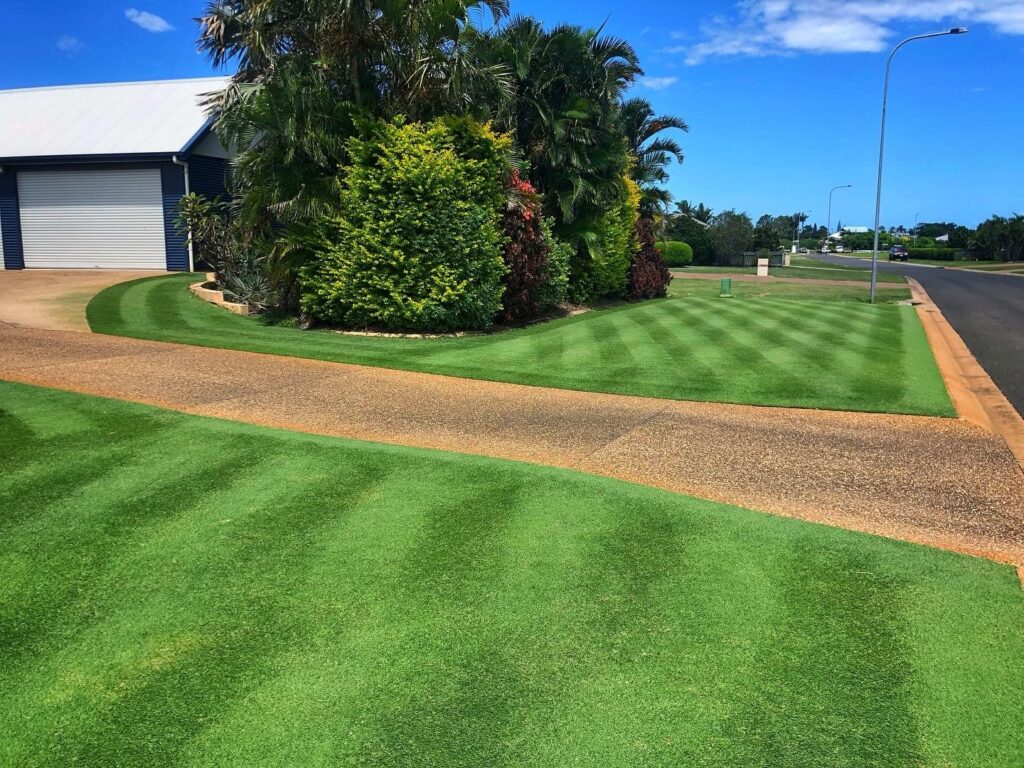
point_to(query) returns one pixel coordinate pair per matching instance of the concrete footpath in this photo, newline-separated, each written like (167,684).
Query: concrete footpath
(943,482)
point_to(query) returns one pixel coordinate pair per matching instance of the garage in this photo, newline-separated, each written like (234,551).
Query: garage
(92,219)
(91,175)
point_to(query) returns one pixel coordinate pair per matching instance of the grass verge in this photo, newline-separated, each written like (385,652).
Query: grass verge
(183,590)
(808,269)
(781,344)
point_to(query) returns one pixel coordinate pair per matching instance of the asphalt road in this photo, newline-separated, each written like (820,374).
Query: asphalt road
(987,310)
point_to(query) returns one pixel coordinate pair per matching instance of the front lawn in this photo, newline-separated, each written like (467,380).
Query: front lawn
(808,269)
(186,591)
(784,344)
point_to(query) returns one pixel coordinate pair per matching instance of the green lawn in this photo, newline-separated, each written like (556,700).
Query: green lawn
(783,344)
(185,591)
(990,266)
(804,268)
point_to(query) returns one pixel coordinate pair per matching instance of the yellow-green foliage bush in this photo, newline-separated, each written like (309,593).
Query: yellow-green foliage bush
(418,245)
(602,271)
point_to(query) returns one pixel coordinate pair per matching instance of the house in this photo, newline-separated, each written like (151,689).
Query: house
(848,231)
(90,175)
(942,238)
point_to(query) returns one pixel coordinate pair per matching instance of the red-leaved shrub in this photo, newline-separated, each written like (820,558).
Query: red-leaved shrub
(526,253)
(648,275)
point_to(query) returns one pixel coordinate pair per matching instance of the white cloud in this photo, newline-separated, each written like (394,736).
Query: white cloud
(148,21)
(782,27)
(657,83)
(70,45)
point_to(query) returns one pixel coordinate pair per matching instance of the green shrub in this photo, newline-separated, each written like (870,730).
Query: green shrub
(939,254)
(648,276)
(556,285)
(675,253)
(533,284)
(418,245)
(600,271)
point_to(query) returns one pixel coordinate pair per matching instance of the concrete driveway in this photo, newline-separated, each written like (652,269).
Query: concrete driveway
(55,299)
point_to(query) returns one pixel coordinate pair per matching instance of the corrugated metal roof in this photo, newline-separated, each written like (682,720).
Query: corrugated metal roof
(103,119)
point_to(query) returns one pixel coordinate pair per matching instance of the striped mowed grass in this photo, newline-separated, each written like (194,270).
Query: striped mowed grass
(782,345)
(179,590)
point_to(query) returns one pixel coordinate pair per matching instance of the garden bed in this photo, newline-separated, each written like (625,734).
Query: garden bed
(212,293)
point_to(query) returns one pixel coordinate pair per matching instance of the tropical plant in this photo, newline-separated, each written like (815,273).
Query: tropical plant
(527,255)
(418,244)
(699,212)
(206,226)
(601,272)
(651,153)
(648,276)
(381,56)
(566,84)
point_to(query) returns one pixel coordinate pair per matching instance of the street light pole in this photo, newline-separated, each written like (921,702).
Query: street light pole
(828,223)
(881,144)
(797,223)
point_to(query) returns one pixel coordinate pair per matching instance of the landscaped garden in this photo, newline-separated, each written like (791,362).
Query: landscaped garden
(481,176)
(776,344)
(183,590)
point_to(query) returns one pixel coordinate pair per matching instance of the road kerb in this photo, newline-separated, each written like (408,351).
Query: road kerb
(975,396)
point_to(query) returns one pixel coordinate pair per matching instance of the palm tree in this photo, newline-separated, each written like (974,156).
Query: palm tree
(387,56)
(699,213)
(566,84)
(309,70)
(651,152)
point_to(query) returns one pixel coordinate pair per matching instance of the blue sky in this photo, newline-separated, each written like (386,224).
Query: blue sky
(782,96)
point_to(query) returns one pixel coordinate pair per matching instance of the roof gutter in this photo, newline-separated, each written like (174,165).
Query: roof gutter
(191,255)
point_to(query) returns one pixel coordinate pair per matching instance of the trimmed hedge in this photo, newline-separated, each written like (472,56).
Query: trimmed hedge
(675,253)
(939,254)
(418,244)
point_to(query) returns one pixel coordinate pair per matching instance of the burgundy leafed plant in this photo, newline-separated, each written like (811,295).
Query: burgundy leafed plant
(526,253)
(648,275)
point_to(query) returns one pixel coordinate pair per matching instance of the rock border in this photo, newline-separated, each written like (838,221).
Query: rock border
(216,296)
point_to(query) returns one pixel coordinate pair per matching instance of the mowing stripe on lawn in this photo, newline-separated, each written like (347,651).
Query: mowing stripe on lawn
(805,347)
(204,592)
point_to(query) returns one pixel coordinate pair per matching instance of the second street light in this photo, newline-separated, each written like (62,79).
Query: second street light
(828,223)
(881,144)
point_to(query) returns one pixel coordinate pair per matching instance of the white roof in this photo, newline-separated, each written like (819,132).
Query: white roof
(105,119)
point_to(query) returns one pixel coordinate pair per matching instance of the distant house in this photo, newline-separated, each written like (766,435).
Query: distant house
(90,175)
(848,230)
(942,238)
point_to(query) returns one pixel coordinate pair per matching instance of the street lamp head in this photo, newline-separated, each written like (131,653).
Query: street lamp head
(958,31)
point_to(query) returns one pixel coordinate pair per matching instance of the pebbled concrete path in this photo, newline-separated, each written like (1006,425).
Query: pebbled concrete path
(941,482)
(56,298)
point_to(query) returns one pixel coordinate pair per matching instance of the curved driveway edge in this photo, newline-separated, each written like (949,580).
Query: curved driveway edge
(941,482)
(56,298)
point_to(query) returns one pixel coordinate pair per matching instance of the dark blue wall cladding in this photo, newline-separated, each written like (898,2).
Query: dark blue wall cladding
(207,175)
(172,182)
(10,220)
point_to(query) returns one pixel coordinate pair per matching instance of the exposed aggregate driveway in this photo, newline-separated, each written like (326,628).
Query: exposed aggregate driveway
(942,482)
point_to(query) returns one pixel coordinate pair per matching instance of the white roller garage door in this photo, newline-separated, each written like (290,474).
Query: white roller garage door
(92,218)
